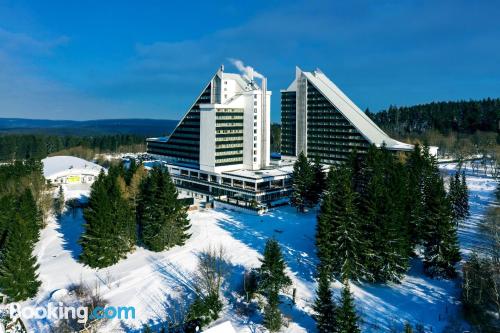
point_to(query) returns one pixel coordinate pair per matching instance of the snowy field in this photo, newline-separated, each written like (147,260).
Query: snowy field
(157,283)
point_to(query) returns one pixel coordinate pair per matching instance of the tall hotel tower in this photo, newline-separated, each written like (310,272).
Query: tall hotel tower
(317,118)
(221,147)
(227,128)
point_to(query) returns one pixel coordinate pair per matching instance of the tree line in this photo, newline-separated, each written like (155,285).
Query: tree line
(39,146)
(22,210)
(377,212)
(459,116)
(128,207)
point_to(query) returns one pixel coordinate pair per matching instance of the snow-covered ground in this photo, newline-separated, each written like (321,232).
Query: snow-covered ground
(156,283)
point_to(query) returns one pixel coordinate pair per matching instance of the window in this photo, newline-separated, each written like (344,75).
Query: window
(255,145)
(255,138)
(255,159)
(255,117)
(255,103)
(255,124)
(255,131)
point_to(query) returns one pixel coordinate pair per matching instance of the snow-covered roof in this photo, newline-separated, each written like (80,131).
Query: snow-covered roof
(58,165)
(367,128)
(225,327)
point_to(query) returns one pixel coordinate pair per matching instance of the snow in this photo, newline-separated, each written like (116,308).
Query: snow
(56,165)
(155,283)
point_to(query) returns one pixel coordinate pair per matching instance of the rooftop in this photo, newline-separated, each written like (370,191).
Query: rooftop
(56,164)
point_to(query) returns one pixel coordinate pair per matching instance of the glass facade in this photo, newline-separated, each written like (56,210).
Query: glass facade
(288,123)
(228,137)
(329,134)
(184,143)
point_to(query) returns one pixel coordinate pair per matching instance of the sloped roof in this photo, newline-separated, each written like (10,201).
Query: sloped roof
(367,128)
(54,165)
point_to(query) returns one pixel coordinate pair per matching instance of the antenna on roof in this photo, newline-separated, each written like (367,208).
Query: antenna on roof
(222,68)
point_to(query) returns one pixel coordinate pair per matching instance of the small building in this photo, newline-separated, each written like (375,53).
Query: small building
(70,170)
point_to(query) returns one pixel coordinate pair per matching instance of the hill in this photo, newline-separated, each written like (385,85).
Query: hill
(140,127)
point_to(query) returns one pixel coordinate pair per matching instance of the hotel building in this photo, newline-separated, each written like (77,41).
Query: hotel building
(221,147)
(317,118)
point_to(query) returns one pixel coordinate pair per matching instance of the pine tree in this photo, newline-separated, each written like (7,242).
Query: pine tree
(414,207)
(110,223)
(324,306)
(272,270)
(454,197)
(384,219)
(163,219)
(59,202)
(318,185)
(26,206)
(441,251)
(349,249)
(464,195)
(302,182)
(272,313)
(347,319)
(18,266)
(324,232)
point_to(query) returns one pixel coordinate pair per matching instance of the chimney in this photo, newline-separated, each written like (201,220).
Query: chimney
(264,126)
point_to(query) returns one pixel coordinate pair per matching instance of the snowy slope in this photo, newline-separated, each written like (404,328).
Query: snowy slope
(155,283)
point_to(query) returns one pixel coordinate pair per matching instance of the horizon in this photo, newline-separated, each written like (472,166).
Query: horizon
(55,66)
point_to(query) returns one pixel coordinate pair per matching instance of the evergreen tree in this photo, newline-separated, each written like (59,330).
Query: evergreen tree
(456,196)
(464,195)
(414,208)
(441,251)
(324,306)
(272,270)
(162,217)
(347,319)
(28,209)
(318,185)
(59,202)
(18,266)
(110,223)
(325,248)
(384,224)
(272,314)
(302,183)
(348,248)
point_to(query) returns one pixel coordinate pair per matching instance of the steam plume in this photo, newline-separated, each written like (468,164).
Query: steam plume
(247,71)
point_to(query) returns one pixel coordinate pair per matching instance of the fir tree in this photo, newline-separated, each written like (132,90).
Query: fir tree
(28,209)
(272,315)
(441,251)
(318,185)
(383,218)
(272,270)
(348,248)
(408,328)
(18,266)
(302,183)
(59,202)
(324,306)
(347,319)
(414,207)
(110,223)
(162,217)
(464,195)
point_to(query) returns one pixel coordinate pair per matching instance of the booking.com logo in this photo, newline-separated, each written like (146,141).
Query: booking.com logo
(60,311)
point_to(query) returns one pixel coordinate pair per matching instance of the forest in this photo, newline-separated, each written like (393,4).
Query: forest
(39,146)
(466,117)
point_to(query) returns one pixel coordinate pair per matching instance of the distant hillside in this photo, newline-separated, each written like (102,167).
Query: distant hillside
(140,127)
(460,116)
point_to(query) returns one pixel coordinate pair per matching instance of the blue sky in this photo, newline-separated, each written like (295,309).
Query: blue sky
(149,59)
